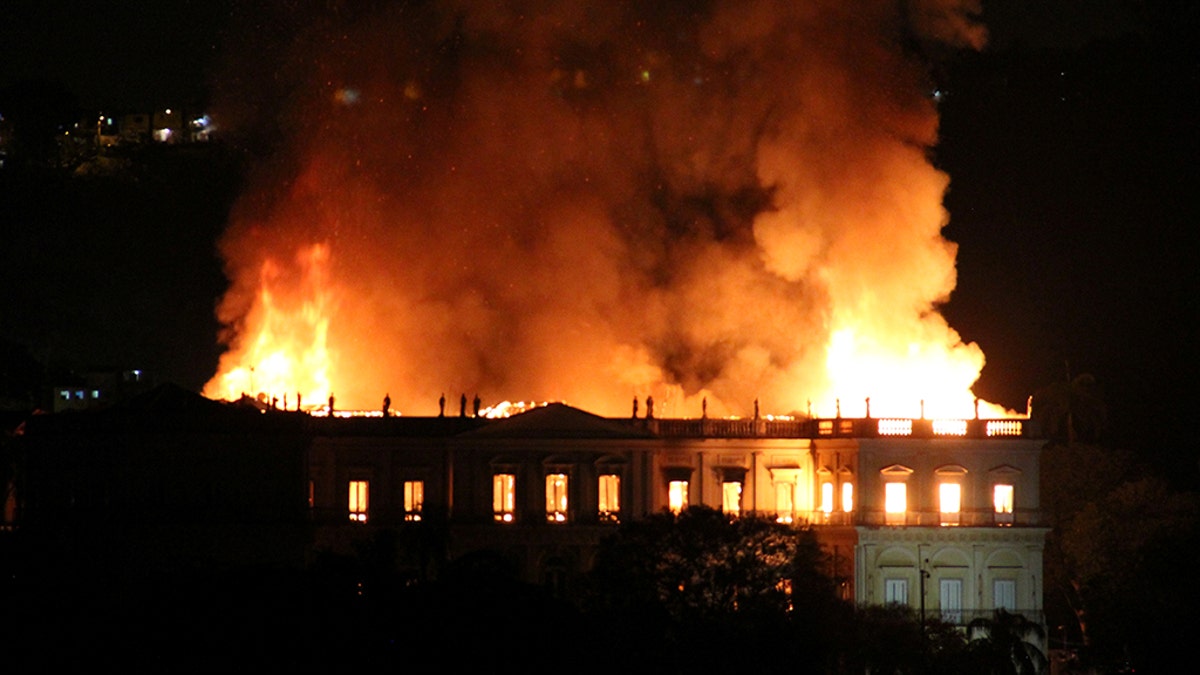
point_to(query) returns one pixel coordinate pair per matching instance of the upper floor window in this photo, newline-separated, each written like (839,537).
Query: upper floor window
(895,503)
(504,497)
(609,502)
(556,497)
(414,499)
(895,591)
(949,502)
(847,496)
(827,497)
(359,490)
(950,479)
(1002,502)
(677,496)
(895,494)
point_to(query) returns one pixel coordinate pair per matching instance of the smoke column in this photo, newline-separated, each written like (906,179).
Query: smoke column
(591,201)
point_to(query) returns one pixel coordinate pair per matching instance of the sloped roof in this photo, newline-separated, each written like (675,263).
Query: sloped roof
(168,408)
(559,420)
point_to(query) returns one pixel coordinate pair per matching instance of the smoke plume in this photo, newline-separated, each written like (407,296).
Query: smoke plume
(591,201)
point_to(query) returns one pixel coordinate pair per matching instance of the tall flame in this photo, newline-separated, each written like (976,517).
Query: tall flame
(593,201)
(288,353)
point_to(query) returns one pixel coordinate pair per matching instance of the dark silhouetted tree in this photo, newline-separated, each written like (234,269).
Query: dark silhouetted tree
(1071,410)
(1000,645)
(707,591)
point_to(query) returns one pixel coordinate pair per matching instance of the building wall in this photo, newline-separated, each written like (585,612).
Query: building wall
(970,550)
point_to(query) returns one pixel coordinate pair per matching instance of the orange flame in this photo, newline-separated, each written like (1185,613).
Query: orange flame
(286,350)
(758,219)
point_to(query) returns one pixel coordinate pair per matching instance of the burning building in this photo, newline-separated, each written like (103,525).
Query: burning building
(938,514)
(941,515)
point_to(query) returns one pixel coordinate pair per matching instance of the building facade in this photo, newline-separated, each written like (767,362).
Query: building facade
(940,516)
(943,517)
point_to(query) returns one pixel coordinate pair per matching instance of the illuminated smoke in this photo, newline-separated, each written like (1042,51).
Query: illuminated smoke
(591,201)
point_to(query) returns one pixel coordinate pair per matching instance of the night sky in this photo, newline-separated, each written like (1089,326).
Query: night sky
(1070,142)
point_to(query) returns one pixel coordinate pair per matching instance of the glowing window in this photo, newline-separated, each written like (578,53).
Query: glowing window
(414,499)
(504,497)
(677,496)
(847,496)
(827,497)
(358,500)
(950,497)
(556,497)
(785,502)
(731,497)
(1002,501)
(895,502)
(1002,498)
(610,497)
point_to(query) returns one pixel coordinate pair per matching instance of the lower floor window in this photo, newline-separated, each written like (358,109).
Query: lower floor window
(1004,594)
(950,597)
(895,591)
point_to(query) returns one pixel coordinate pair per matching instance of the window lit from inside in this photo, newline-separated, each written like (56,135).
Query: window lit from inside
(359,490)
(1002,500)
(895,503)
(950,503)
(414,499)
(827,497)
(847,497)
(504,497)
(609,506)
(731,497)
(677,496)
(556,497)
(785,502)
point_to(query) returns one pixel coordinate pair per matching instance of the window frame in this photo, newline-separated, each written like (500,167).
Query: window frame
(953,613)
(558,498)
(504,496)
(606,512)
(1003,508)
(358,502)
(726,486)
(414,499)
(895,586)
(677,495)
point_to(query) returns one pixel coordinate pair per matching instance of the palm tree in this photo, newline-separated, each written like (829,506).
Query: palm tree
(1071,410)
(999,645)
